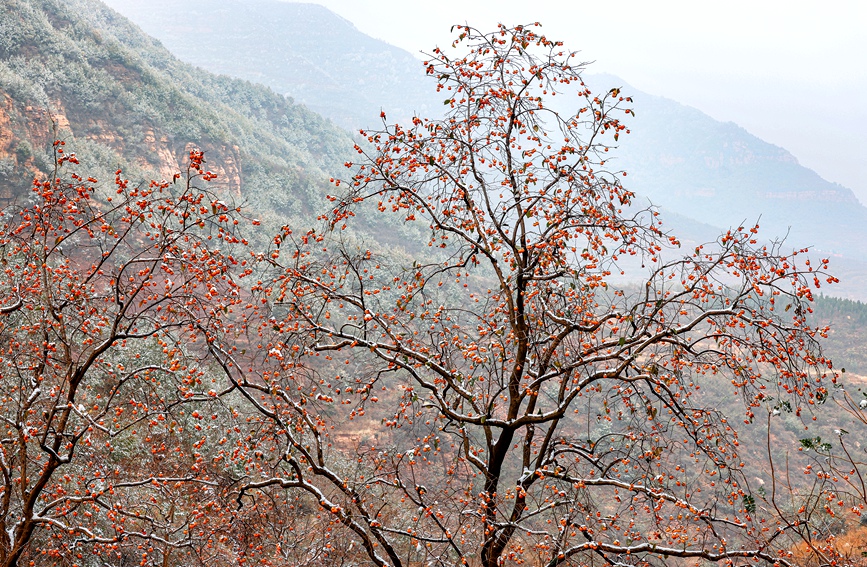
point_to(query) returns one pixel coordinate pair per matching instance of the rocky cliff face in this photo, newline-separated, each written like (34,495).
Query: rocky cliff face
(27,128)
(16,154)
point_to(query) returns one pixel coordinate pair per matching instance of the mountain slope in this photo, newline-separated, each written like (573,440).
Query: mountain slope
(679,158)
(300,50)
(120,99)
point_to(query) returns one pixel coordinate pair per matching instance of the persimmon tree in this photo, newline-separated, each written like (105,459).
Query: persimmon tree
(524,386)
(107,301)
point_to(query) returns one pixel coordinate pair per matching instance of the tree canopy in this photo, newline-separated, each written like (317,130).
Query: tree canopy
(531,400)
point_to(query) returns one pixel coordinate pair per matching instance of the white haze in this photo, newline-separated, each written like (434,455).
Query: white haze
(791,72)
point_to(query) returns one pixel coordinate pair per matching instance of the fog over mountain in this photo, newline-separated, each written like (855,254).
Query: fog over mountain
(678,158)
(706,175)
(789,71)
(718,173)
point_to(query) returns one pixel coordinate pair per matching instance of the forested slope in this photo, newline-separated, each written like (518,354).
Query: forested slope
(120,99)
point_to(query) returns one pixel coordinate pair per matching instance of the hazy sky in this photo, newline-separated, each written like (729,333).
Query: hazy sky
(791,72)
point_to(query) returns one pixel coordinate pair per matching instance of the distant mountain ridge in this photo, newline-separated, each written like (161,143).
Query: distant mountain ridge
(718,173)
(299,50)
